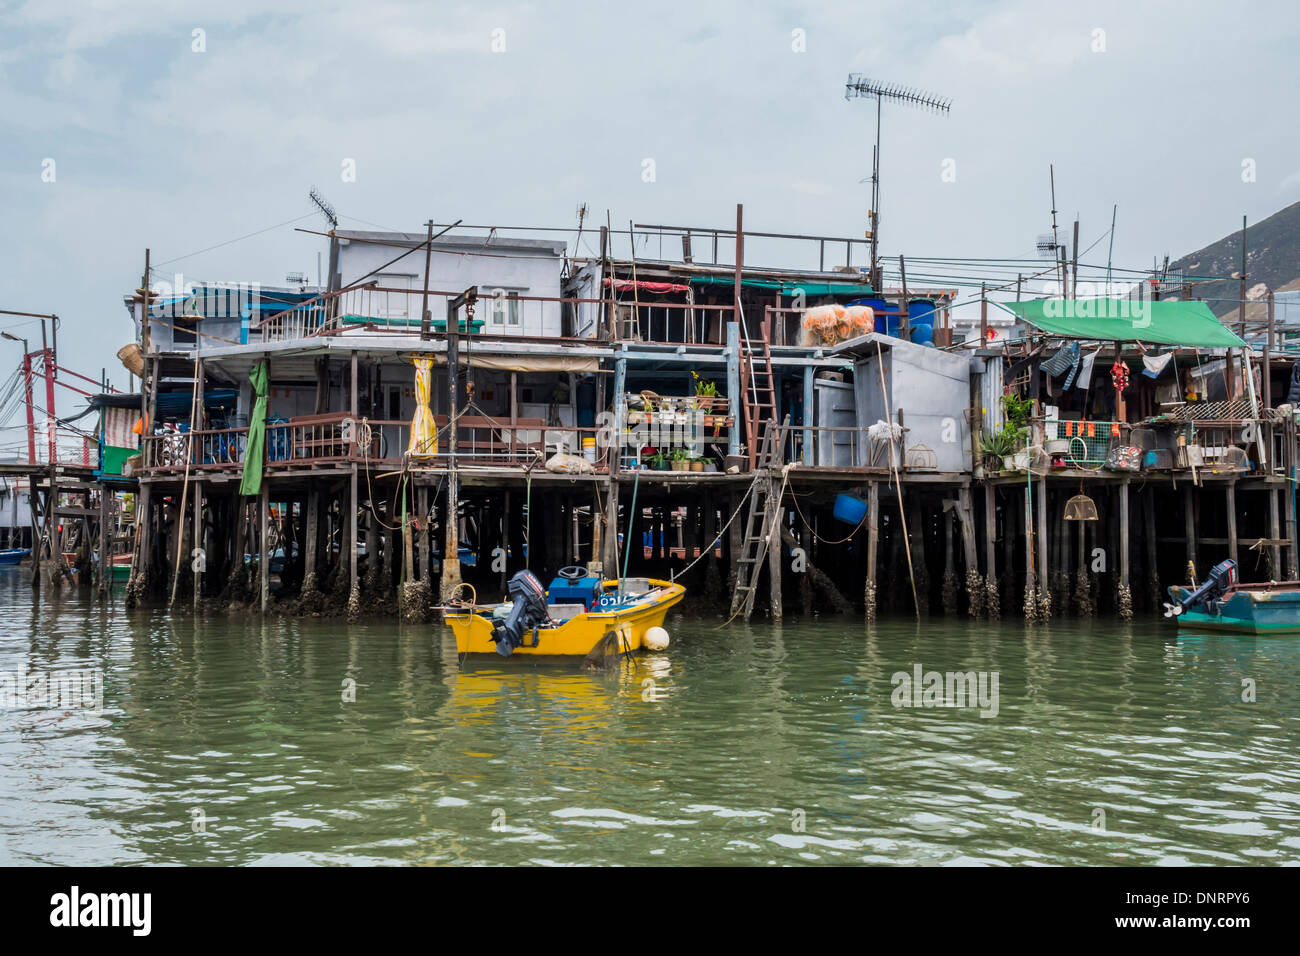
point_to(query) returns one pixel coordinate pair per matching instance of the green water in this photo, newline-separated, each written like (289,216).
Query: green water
(756,745)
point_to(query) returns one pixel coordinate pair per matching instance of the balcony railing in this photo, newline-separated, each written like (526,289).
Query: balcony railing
(335,438)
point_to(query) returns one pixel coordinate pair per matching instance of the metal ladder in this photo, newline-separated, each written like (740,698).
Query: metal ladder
(760,522)
(756,387)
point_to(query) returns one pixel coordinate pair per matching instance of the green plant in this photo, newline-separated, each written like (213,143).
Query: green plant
(1006,441)
(704,386)
(680,454)
(1018,411)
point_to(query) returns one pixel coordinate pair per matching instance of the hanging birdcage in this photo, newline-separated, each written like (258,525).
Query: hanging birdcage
(1080,508)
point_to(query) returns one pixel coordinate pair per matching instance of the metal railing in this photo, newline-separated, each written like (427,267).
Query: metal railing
(334,438)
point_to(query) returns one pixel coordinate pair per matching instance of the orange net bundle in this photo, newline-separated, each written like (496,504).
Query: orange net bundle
(833,324)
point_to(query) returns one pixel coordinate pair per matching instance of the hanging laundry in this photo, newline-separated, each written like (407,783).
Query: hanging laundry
(1155,364)
(1293,392)
(1085,368)
(1065,360)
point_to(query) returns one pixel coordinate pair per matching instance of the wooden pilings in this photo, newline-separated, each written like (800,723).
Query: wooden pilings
(873,546)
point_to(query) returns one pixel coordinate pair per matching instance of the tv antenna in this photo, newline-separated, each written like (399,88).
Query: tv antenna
(325,208)
(862,87)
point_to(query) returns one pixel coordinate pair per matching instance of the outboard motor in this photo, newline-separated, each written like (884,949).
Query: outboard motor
(529,611)
(1222,576)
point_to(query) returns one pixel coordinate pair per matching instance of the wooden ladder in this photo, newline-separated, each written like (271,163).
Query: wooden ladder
(760,522)
(756,387)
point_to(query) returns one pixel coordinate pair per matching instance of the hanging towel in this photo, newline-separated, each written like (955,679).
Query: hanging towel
(1155,364)
(1085,368)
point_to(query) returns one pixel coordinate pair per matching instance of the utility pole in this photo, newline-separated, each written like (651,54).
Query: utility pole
(426,325)
(1241,303)
(1074,279)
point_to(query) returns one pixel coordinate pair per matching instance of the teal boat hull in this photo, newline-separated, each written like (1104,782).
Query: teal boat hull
(1247,609)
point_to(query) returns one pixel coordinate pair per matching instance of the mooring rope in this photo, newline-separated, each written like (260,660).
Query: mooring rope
(674,575)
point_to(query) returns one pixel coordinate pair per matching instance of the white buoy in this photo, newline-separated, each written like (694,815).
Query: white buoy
(656,639)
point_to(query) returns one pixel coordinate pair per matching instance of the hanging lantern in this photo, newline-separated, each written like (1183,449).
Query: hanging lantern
(1080,508)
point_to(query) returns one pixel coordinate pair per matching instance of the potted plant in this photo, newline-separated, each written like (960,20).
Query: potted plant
(706,392)
(1000,447)
(680,461)
(697,463)
(710,465)
(659,462)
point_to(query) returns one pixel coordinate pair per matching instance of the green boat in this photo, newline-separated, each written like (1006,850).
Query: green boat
(119,568)
(1222,603)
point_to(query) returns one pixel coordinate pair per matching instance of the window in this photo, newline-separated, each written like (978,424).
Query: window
(184,331)
(503,306)
(395,304)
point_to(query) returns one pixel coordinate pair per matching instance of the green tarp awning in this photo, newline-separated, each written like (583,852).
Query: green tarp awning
(788,287)
(1164,322)
(250,483)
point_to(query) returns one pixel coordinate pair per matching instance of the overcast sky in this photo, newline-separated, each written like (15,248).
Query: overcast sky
(516,113)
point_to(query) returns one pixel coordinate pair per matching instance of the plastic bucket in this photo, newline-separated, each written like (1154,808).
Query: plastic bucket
(589,448)
(850,509)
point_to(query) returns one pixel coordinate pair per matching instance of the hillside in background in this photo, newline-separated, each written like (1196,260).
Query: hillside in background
(1272,258)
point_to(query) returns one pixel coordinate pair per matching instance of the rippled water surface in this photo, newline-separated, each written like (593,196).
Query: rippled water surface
(751,745)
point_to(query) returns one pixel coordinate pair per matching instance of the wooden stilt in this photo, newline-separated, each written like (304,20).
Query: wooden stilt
(1189,529)
(1274,533)
(1031,592)
(104,571)
(1044,550)
(992,605)
(264,545)
(611,553)
(350,523)
(422,512)
(1230,494)
(873,547)
(1124,596)
(1293,564)
(775,553)
(200,555)
(597,529)
(451,539)
(970,554)
(310,583)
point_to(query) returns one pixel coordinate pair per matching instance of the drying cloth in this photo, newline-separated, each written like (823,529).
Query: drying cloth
(424,432)
(1293,392)
(250,483)
(1155,364)
(1085,368)
(1066,358)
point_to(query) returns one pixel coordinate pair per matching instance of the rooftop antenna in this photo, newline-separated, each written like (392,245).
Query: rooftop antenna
(327,211)
(325,208)
(582,217)
(862,87)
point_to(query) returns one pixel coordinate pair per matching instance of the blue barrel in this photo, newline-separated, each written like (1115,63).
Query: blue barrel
(920,312)
(923,334)
(850,509)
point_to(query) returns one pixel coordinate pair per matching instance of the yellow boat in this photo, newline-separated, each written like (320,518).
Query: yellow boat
(579,615)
